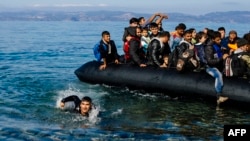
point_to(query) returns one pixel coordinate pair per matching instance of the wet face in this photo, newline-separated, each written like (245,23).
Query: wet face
(154,30)
(106,38)
(217,40)
(188,37)
(144,33)
(85,107)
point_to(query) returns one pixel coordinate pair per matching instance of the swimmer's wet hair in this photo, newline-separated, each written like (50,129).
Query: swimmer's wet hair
(86,98)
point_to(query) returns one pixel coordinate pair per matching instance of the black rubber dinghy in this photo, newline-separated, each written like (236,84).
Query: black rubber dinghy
(167,81)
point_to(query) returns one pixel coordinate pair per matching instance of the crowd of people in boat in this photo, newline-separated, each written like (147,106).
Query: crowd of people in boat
(146,43)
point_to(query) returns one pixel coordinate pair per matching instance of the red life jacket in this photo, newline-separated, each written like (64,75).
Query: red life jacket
(126,48)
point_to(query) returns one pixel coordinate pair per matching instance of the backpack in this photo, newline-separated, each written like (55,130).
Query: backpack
(96,50)
(234,66)
(174,56)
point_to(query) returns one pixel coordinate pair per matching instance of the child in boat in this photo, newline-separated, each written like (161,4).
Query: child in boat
(145,39)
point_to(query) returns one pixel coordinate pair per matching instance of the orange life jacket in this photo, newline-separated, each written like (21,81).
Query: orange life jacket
(232,46)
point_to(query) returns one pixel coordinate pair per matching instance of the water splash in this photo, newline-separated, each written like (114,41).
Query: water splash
(64,93)
(116,113)
(93,115)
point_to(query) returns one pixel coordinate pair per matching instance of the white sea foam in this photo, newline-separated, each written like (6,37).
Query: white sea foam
(93,115)
(118,112)
(64,93)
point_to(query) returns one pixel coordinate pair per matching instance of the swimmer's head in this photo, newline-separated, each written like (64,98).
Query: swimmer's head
(86,105)
(86,98)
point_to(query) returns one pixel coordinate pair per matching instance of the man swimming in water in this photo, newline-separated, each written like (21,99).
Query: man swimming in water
(83,106)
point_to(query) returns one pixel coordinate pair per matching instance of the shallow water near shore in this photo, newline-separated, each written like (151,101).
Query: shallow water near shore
(38,60)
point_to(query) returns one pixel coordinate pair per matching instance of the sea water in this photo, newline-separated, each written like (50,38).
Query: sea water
(37,64)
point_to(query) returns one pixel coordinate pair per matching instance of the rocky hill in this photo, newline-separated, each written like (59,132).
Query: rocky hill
(228,17)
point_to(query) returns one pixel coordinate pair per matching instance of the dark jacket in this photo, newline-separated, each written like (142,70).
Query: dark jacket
(199,50)
(156,52)
(135,51)
(110,53)
(211,56)
(76,101)
(125,34)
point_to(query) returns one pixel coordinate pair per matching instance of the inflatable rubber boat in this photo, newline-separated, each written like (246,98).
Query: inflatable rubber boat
(167,81)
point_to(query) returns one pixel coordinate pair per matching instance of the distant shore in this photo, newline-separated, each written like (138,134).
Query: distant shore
(31,15)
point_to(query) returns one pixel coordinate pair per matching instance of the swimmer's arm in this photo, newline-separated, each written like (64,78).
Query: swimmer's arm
(70,98)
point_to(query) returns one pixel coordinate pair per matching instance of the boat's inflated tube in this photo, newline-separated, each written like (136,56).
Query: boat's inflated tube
(167,81)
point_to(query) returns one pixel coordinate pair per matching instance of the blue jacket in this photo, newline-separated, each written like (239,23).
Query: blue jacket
(110,53)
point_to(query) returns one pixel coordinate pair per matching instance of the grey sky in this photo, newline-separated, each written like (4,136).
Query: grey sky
(196,7)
